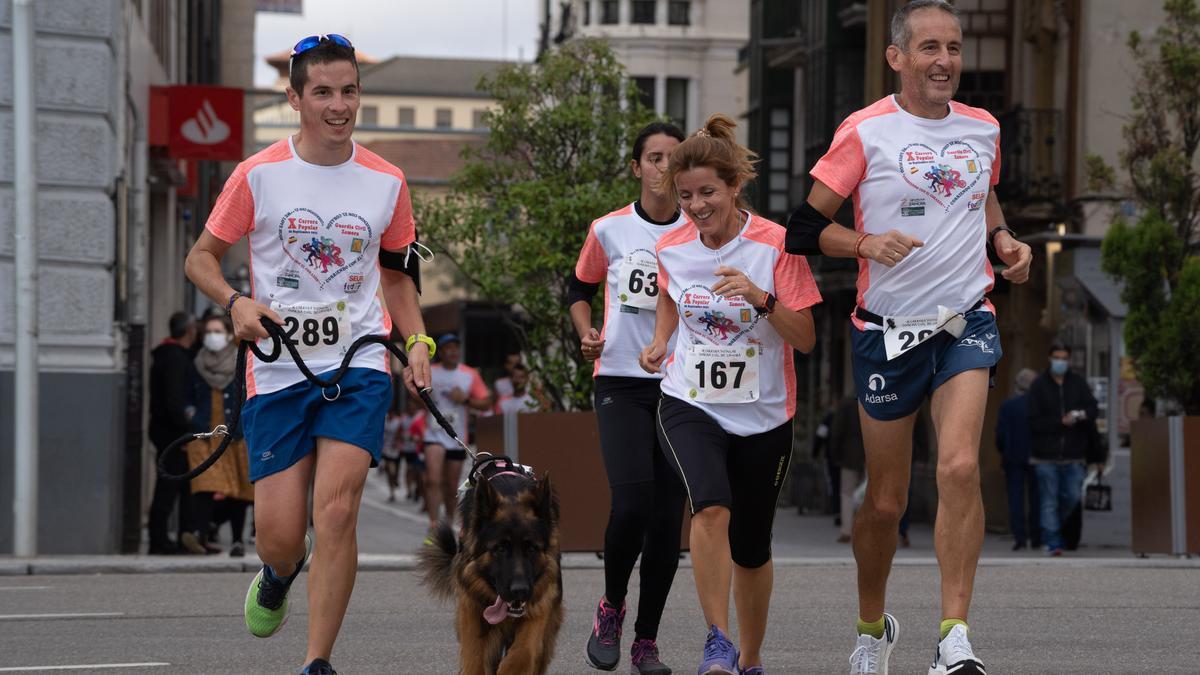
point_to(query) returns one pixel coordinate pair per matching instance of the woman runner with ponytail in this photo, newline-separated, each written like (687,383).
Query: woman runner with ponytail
(737,305)
(647,498)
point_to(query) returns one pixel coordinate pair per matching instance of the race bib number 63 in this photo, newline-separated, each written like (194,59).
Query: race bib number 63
(638,276)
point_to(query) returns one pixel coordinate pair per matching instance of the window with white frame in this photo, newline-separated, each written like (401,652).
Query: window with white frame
(677,101)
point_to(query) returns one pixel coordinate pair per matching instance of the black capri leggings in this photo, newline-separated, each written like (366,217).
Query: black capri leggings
(647,498)
(741,473)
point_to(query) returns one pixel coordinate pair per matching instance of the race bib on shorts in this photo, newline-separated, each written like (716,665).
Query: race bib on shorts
(638,280)
(902,333)
(321,331)
(722,373)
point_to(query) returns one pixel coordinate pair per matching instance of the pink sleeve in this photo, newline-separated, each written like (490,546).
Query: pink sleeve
(592,267)
(402,231)
(845,165)
(232,217)
(794,285)
(478,388)
(996,163)
(663,279)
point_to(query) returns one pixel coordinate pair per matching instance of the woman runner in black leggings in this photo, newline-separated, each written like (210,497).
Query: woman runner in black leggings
(647,496)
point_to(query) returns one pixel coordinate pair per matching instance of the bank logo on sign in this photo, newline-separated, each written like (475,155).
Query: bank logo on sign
(205,128)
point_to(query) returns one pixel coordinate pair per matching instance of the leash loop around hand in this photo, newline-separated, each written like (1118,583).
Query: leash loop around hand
(279,342)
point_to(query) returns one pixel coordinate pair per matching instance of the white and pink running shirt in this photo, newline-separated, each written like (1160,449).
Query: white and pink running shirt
(687,270)
(315,233)
(619,252)
(445,381)
(928,179)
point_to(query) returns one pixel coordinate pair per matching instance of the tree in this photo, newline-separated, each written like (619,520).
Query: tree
(556,158)
(1158,256)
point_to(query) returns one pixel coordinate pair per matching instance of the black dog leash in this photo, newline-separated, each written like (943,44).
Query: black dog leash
(277,339)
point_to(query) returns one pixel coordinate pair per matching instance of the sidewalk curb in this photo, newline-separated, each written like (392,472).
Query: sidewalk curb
(10,567)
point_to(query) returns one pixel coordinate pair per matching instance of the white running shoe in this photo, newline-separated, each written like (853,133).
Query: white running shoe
(870,656)
(954,655)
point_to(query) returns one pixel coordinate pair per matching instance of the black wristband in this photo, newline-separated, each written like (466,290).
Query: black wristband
(991,238)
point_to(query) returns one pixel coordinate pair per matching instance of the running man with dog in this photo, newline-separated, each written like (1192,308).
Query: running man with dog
(729,396)
(317,183)
(646,514)
(923,325)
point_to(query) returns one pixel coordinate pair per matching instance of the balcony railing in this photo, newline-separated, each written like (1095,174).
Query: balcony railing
(1033,156)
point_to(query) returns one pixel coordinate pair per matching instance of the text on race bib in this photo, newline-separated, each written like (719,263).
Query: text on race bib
(902,333)
(319,330)
(722,373)
(638,280)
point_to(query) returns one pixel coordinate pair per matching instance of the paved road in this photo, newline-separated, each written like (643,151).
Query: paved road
(1099,611)
(1060,617)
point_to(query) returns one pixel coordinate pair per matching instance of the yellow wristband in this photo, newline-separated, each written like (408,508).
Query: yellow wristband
(423,339)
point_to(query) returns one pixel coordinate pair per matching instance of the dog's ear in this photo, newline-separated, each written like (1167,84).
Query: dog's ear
(546,502)
(485,501)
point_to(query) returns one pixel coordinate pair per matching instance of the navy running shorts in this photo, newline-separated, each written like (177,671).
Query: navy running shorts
(890,390)
(282,427)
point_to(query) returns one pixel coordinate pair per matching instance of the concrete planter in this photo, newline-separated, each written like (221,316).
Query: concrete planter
(1165,467)
(565,445)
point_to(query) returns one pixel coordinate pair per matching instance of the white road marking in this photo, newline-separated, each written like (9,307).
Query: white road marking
(23,588)
(86,666)
(379,488)
(77,615)
(400,513)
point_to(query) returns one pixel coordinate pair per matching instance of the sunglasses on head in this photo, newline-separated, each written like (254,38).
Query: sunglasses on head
(311,41)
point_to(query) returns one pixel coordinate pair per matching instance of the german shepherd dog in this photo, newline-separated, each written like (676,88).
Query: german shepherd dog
(503,572)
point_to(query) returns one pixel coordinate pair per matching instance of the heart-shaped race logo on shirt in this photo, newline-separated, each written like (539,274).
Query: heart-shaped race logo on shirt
(715,319)
(943,176)
(325,249)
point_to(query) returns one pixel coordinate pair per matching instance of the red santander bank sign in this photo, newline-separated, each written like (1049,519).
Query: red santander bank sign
(197,121)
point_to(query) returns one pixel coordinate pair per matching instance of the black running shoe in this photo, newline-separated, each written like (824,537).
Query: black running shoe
(644,659)
(318,667)
(604,644)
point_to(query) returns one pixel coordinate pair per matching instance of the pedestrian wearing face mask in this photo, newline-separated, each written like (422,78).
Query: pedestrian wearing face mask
(1062,419)
(225,488)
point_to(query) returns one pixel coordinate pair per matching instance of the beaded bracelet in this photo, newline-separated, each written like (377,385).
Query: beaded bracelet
(232,299)
(858,244)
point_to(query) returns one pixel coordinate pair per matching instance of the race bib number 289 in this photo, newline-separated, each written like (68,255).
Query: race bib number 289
(320,330)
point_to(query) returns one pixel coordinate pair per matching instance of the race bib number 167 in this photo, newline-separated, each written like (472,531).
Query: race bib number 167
(722,374)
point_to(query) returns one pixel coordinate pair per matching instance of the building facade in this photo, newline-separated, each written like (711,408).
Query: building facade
(682,54)
(112,233)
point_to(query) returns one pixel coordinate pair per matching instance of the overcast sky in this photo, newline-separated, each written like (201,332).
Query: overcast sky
(485,29)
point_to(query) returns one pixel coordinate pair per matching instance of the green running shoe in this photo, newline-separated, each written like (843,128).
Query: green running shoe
(266,599)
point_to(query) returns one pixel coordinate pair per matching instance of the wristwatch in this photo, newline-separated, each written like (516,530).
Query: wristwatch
(768,306)
(423,339)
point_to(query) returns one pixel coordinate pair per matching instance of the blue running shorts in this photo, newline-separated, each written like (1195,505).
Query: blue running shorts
(890,390)
(281,428)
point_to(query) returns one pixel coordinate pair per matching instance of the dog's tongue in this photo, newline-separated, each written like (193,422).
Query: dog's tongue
(496,613)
